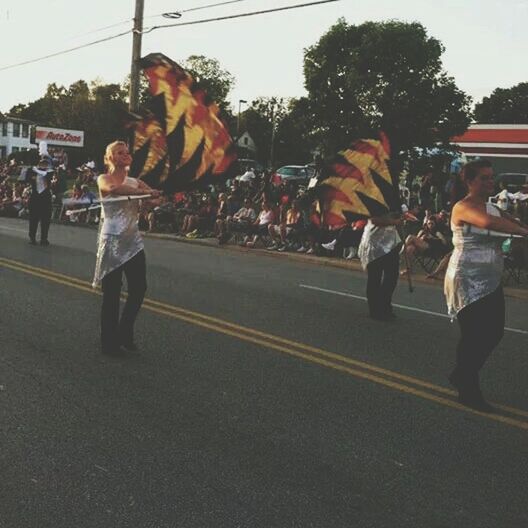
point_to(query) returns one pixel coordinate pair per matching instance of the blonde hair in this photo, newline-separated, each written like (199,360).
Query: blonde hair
(109,154)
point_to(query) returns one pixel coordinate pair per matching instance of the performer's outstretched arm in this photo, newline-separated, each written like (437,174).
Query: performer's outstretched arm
(467,213)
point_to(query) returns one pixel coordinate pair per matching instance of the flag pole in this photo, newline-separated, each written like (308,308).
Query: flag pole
(97,204)
(408,270)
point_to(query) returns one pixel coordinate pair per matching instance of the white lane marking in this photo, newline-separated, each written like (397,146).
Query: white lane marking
(13,229)
(402,306)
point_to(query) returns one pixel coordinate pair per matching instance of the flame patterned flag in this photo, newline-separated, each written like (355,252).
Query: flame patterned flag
(359,183)
(181,142)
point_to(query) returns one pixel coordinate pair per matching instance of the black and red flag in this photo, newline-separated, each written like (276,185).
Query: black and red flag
(181,142)
(358,183)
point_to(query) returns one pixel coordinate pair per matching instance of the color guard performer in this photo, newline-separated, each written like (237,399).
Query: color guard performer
(379,253)
(473,279)
(120,250)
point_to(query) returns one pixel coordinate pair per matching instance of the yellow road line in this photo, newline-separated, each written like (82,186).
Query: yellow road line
(300,350)
(86,286)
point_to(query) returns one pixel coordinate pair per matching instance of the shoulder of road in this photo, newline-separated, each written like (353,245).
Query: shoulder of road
(517,292)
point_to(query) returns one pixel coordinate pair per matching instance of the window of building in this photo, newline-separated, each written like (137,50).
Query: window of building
(14,149)
(3,152)
(25,130)
(4,128)
(246,141)
(16,129)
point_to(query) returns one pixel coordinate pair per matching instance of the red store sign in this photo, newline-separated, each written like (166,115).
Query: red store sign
(59,137)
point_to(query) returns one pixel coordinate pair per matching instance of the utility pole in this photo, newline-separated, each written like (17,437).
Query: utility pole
(137,34)
(272,148)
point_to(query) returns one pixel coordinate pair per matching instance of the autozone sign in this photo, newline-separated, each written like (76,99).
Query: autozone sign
(59,136)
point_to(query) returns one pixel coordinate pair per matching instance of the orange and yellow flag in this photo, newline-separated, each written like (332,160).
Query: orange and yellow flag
(182,141)
(359,183)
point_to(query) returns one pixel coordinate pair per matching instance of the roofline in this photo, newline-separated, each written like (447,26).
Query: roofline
(16,120)
(497,127)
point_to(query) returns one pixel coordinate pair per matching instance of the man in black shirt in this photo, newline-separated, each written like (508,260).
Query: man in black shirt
(40,201)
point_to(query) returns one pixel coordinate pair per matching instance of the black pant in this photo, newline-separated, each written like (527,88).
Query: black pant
(382,279)
(113,330)
(40,211)
(482,327)
(347,237)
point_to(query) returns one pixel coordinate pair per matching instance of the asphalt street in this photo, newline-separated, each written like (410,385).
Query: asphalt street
(262,396)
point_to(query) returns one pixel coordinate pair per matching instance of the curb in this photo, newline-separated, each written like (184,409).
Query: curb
(354,265)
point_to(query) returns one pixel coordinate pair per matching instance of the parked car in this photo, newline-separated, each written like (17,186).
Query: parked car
(245,164)
(514,181)
(292,173)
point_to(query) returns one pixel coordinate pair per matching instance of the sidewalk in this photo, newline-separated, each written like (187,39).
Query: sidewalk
(519,291)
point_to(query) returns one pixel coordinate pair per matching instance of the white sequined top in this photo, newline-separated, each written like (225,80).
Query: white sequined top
(475,267)
(376,242)
(119,238)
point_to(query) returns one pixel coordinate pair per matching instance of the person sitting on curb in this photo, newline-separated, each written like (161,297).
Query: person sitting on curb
(429,240)
(348,238)
(279,232)
(240,222)
(260,226)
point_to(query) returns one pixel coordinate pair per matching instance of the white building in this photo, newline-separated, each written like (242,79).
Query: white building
(246,145)
(14,135)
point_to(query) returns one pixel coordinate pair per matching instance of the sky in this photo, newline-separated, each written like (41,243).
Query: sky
(486,41)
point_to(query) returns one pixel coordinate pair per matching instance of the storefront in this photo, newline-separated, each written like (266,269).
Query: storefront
(64,145)
(59,137)
(506,146)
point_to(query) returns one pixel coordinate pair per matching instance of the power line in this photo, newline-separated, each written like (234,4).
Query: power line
(128,20)
(153,28)
(63,52)
(241,15)
(206,6)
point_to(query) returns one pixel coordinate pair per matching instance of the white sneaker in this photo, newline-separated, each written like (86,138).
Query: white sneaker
(302,249)
(349,253)
(273,247)
(330,246)
(310,251)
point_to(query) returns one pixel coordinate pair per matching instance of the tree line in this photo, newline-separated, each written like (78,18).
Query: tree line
(358,79)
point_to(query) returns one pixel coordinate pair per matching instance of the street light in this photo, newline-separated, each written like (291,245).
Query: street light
(240,101)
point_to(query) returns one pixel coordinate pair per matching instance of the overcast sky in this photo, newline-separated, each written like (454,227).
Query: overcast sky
(486,41)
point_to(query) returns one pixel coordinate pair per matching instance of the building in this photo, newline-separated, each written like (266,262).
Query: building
(14,135)
(246,147)
(506,146)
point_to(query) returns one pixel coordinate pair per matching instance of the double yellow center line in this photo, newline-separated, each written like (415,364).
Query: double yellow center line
(407,384)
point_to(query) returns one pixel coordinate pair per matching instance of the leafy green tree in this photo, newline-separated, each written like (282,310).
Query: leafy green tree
(295,141)
(504,106)
(382,76)
(97,109)
(262,120)
(216,81)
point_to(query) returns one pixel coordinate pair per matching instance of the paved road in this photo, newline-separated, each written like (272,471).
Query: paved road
(262,397)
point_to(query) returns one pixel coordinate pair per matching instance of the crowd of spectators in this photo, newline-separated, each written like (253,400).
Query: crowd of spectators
(14,193)
(256,212)
(15,189)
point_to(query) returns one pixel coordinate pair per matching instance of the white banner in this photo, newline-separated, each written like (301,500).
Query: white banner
(59,136)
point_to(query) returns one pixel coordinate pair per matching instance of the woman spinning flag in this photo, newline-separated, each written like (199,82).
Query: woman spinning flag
(473,279)
(120,249)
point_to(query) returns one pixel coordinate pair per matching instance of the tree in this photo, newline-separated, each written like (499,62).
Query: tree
(97,109)
(295,142)
(504,106)
(382,76)
(209,74)
(262,120)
